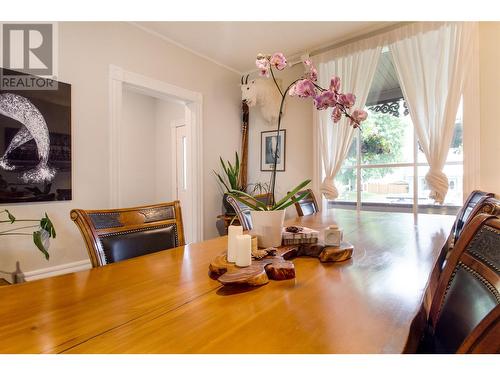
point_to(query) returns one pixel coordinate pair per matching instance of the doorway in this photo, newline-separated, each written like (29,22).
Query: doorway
(156,157)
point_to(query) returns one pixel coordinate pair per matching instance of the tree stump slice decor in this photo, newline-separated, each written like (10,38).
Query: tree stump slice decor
(271,267)
(336,254)
(276,266)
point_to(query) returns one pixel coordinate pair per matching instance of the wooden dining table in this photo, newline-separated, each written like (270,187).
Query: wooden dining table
(166,303)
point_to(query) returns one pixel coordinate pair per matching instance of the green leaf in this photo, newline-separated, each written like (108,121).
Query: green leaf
(11,217)
(223,165)
(236,195)
(299,187)
(37,239)
(237,166)
(257,203)
(222,180)
(46,224)
(292,201)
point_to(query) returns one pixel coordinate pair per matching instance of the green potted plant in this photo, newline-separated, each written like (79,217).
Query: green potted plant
(267,218)
(44,229)
(229,181)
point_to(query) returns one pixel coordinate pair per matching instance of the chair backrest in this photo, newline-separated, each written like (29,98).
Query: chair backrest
(465,306)
(466,210)
(306,206)
(486,205)
(243,211)
(118,234)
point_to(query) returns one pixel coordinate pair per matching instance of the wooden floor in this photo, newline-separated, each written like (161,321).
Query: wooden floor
(166,303)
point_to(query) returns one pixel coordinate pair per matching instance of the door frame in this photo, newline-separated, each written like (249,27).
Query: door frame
(120,79)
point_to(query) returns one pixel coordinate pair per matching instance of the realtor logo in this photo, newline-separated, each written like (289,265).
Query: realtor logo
(28,48)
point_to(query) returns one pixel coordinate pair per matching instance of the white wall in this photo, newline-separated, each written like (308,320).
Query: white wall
(138,163)
(297,121)
(489,62)
(86,49)
(146,150)
(166,112)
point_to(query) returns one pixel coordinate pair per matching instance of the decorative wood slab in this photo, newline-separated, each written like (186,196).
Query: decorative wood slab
(274,267)
(258,273)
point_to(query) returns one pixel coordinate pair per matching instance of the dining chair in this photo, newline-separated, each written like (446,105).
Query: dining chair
(466,210)
(307,205)
(114,235)
(243,211)
(477,202)
(464,315)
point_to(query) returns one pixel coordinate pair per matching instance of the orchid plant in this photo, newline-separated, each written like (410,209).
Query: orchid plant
(323,98)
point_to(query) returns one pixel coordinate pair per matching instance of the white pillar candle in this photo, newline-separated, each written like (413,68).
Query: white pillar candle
(232,246)
(244,254)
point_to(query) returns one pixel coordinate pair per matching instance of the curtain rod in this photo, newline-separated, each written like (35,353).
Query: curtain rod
(297,58)
(319,50)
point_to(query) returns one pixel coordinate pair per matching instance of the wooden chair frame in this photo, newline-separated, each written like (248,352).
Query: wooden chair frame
(481,338)
(311,197)
(96,223)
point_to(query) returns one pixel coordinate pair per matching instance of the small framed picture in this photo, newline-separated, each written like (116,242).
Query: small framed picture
(269,141)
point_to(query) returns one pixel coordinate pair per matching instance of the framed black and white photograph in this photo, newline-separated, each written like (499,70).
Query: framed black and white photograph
(35,143)
(268,143)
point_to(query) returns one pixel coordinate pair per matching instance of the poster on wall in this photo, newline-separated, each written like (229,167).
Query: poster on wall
(268,143)
(35,143)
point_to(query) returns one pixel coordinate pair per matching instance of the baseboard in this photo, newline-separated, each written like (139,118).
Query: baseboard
(57,270)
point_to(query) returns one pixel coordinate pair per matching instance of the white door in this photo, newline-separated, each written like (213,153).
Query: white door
(183,183)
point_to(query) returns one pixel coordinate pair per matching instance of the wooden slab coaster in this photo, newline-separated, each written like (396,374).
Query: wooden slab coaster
(258,273)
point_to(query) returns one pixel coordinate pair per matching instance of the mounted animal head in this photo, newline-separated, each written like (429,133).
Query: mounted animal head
(263,93)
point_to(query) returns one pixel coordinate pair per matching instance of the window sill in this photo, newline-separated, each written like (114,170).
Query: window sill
(401,207)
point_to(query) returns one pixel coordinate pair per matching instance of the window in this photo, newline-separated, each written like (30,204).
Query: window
(385,167)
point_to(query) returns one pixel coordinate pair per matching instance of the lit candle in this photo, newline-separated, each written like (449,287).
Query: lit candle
(232,246)
(244,253)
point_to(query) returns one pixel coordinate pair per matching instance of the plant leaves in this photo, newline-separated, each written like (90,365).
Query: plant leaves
(223,164)
(292,201)
(235,195)
(37,239)
(292,193)
(222,181)
(47,225)
(257,203)
(11,217)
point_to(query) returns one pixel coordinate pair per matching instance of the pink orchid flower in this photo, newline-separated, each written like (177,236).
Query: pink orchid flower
(303,89)
(358,116)
(312,73)
(336,114)
(335,84)
(347,100)
(278,60)
(325,99)
(263,65)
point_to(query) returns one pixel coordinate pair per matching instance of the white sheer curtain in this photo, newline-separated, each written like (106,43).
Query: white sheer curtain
(355,65)
(430,59)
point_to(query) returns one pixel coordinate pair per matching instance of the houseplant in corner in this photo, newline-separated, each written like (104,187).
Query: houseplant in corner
(44,229)
(268,223)
(229,181)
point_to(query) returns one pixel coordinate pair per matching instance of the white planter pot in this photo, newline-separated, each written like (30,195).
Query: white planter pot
(267,226)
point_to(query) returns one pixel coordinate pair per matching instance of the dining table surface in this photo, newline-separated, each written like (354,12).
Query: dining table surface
(166,302)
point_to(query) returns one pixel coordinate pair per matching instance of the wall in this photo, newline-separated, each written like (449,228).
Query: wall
(137,163)
(146,149)
(85,51)
(166,112)
(489,60)
(297,121)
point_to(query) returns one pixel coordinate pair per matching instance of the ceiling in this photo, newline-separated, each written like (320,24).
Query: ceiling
(235,44)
